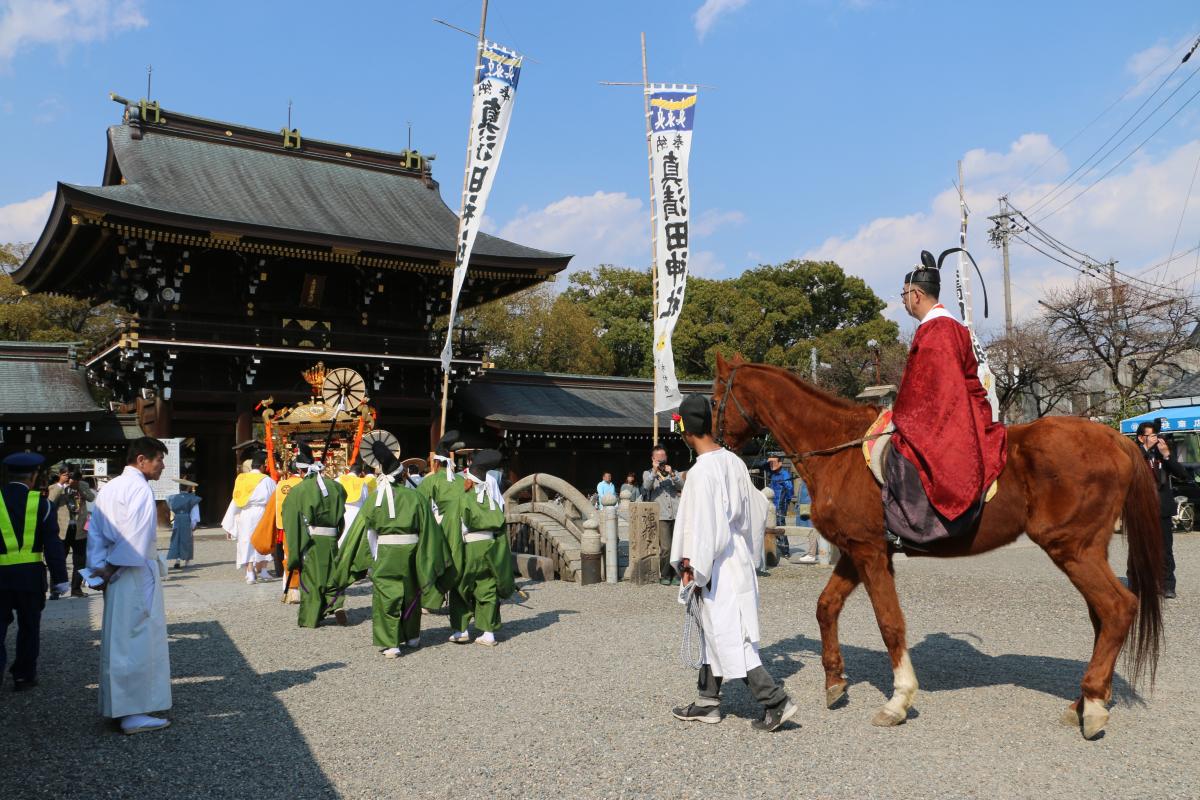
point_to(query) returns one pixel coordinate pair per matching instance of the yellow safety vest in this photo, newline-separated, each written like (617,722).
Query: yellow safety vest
(24,553)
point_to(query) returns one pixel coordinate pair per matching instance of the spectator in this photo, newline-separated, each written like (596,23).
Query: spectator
(185,506)
(804,519)
(22,572)
(604,488)
(1157,453)
(779,478)
(635,491)
(660,484)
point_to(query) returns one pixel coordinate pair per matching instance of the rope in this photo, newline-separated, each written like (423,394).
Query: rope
(692,648)
(835,449)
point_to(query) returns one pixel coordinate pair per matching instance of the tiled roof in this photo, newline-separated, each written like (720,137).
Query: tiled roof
(547,402)
(39,381)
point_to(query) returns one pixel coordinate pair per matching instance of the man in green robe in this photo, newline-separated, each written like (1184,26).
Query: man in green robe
(411,562)
(312,517)
(444,485)
(474,525)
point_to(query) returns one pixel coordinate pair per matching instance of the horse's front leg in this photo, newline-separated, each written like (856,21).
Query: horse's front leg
(829,607)
(880,581)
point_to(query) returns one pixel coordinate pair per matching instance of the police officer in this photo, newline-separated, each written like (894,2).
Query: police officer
(28,533)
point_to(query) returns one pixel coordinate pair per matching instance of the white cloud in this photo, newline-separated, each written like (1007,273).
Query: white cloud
(1131,216)
(705,264)
(48,111)
(712,219)
(23,221)
(707,15)
(600,228)
(27,23)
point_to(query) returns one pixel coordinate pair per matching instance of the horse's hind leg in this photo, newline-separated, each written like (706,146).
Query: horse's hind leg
(829,607)
(1112,607)
(880,582)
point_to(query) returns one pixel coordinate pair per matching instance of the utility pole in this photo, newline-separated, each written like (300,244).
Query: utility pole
(999,236)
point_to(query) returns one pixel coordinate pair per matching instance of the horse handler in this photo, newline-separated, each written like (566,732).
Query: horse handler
(718,541)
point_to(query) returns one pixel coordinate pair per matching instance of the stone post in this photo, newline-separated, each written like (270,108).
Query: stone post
(589,553)
(643,543)
(626,499)
(608,511)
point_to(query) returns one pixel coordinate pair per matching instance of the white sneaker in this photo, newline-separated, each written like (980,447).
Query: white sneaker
(141,723)
(804,559)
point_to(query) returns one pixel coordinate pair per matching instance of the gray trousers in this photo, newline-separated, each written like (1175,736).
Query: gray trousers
(666,531)
(764,688)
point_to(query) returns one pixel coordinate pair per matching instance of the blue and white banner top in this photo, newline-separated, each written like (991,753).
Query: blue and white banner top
(496,77)
(672,112)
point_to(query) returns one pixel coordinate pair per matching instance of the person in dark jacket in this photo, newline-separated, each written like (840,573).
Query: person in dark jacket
(1158,458)
(28,544)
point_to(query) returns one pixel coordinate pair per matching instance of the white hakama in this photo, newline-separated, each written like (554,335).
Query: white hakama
(135,666)
(719,528)
(240,522)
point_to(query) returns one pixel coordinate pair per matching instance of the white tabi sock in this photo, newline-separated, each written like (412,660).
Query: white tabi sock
(487,636)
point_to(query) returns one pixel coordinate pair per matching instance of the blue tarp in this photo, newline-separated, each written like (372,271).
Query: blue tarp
(1186,418)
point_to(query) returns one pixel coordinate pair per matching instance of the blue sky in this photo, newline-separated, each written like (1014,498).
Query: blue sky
(833,130)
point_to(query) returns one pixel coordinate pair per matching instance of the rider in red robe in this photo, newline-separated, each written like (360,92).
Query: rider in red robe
(947,450)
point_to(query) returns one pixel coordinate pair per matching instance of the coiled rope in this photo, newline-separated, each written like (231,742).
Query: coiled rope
(692,648)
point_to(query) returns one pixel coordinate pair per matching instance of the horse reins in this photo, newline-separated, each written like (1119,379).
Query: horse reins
(728,384)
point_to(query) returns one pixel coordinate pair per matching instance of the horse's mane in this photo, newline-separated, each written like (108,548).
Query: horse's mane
(838,403)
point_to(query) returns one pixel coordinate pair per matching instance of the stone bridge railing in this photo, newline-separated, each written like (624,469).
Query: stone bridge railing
(551,523)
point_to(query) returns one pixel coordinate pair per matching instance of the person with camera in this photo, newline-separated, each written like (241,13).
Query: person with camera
(1157,453)
(660,484)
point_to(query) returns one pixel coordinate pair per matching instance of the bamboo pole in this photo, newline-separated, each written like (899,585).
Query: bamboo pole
(653,239)
(461,202)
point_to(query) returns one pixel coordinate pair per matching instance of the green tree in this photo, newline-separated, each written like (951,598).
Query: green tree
(45,316)
(535,330)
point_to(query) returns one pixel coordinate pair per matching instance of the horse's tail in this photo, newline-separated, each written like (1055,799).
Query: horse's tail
(1145,567)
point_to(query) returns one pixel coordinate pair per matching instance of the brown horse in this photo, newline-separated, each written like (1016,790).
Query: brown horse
(1066,484)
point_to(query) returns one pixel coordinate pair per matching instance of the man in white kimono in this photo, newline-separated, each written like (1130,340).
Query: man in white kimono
(251,492)
(718,540)
(358,486)
(135,668)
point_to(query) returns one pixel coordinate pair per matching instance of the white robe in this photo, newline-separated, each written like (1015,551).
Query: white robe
(719,528)
(135,665)
(241,522)
(353,506)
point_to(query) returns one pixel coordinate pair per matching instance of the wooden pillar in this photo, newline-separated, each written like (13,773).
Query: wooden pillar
(163,418)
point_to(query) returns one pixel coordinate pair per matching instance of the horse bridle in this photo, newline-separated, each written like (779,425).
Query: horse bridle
(758,426)
(728,384)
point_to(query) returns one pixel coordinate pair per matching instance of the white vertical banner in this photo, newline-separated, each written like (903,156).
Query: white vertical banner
(962,290)
(496,77)
(672,112)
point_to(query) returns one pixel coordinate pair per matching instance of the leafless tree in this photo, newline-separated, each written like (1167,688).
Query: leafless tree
(1035,364)
(1136,335)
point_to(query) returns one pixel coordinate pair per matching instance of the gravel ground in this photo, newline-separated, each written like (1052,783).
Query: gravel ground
(575,702)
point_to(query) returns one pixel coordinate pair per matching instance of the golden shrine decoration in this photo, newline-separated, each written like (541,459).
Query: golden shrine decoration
(337,412)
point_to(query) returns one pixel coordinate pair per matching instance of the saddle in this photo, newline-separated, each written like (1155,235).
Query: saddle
(876,450)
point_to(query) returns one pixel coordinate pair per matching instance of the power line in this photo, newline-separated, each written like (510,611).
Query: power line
(1097,118)
(1114,167)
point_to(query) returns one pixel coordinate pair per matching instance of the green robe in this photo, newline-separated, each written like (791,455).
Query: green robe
(313,555)
(441,491)
(400,573)
(483,570)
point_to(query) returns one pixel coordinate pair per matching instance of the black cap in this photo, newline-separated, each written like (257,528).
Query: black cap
(304,454)
(450,441)
(483,462)
(695,412)
(388,462)
(258,458)
(927,272)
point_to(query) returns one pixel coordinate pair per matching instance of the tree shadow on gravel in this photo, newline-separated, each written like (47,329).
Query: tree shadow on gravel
(229,732)
(946,662)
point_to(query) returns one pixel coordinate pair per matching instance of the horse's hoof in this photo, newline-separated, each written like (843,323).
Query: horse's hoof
(887,718)
(1095,717)
(834,693)
(1070,716)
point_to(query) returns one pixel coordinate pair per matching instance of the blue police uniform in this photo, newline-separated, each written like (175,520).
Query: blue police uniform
(22,571)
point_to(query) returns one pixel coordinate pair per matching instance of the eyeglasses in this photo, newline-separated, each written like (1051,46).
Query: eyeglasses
(908,292)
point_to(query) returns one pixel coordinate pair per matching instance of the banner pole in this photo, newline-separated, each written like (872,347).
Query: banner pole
(653,240)
(462,202)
